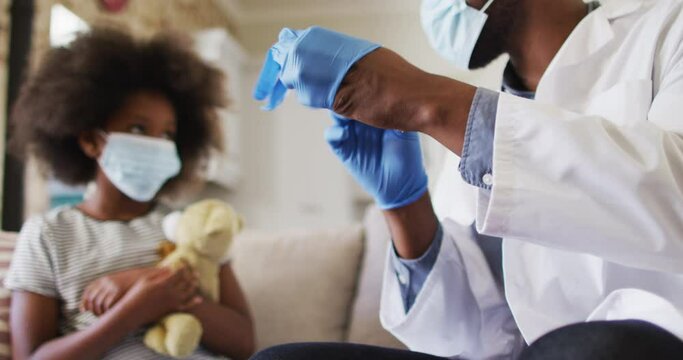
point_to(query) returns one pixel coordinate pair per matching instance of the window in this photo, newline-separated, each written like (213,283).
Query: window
(64,26)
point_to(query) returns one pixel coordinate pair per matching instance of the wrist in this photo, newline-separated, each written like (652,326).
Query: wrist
(134,311)
(128,278)
(412,227)
(198,309)
(124,314)
(444,112)
(129,274)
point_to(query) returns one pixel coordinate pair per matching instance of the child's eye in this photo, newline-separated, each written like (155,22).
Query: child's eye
(137,129)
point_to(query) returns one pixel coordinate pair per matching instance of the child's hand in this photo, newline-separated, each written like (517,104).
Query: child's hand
(101,295)
(161,292)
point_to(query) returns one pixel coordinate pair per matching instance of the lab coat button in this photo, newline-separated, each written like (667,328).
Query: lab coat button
(487,179)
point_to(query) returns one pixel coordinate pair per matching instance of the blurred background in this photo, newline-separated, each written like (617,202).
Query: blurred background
(277,169)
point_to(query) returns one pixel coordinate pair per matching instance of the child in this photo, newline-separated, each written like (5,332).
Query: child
(137,118)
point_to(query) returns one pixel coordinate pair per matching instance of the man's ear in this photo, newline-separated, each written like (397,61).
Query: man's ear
(91,144)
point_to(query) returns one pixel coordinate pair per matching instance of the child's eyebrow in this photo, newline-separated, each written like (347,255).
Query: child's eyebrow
(146,119)
(140,117)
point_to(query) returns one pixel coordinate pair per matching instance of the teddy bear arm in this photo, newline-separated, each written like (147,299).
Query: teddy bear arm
(179,257)
(209,282)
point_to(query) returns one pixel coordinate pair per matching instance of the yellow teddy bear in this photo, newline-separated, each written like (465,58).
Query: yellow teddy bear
(203,234)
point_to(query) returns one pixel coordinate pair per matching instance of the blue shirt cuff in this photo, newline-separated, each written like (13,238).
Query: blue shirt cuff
(476,164)
(412,274)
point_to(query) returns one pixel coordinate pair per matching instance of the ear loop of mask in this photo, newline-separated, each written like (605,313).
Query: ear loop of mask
(105,137)
(103,134)
(486,6)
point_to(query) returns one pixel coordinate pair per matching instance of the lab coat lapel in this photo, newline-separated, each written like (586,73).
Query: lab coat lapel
(617,8)
(576,55)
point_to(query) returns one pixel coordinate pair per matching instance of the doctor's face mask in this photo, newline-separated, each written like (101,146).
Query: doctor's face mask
(468,37)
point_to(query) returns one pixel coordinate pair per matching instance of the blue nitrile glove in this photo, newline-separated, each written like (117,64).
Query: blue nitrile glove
(386,163)
(313,62)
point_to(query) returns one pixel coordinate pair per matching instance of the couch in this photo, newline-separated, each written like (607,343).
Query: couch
(302,285)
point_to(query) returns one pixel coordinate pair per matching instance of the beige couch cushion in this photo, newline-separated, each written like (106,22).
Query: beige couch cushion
(299,284)
(365,326)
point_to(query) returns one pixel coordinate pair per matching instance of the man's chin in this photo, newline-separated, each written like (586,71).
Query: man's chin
(482,60)
(489,46)
(496,32)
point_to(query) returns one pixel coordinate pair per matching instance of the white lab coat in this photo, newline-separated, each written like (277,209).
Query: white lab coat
(587,194)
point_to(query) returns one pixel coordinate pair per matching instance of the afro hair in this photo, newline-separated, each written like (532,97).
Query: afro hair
(77,88)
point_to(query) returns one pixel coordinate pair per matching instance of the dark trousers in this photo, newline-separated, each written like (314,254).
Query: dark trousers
(623,340)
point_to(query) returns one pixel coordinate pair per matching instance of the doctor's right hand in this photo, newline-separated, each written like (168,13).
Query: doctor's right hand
(386,163)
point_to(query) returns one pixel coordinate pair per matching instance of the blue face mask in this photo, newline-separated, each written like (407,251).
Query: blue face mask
(139,165)
(453,28)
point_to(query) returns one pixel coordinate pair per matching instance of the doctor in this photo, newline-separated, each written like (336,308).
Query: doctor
(577,166)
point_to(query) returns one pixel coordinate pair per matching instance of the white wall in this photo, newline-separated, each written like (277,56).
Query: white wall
(290,178)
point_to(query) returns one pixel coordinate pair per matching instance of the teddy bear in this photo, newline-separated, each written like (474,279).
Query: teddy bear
(202,233)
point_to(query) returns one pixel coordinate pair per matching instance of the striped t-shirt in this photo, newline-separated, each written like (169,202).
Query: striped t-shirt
(58,254)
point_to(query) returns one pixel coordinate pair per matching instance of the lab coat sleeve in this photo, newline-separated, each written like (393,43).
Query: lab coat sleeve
(589,184)
(459,311)
(412,273)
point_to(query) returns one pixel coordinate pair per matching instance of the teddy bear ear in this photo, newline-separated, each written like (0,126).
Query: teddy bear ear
(170,224)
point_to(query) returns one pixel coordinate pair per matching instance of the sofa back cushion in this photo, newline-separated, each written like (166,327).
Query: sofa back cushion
(299,283)
(7,241)
(364,326)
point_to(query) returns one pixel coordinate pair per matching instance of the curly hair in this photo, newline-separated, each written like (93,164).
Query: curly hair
(79,87)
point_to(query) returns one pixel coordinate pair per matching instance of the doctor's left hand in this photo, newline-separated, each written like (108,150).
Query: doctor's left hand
(386,163)
(312,62)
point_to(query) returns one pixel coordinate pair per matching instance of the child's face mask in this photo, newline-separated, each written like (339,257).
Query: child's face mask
(139,165)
